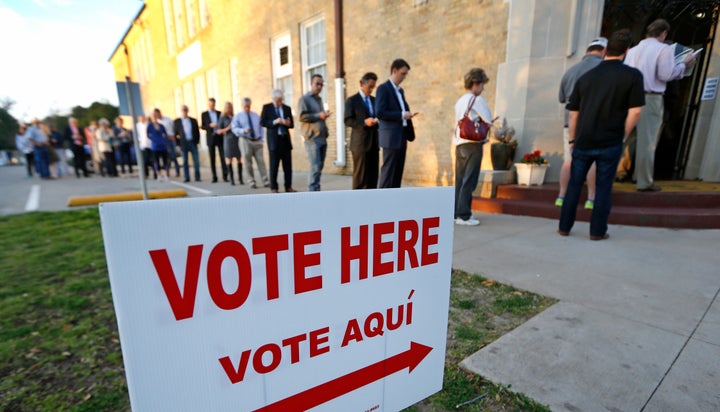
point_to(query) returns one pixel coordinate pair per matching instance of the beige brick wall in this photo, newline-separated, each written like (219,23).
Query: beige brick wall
(441,40)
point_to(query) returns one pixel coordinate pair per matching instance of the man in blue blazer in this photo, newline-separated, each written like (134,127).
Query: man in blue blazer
(277,118)
(396,128)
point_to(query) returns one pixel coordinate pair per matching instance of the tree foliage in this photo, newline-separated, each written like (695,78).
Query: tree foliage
(84,115)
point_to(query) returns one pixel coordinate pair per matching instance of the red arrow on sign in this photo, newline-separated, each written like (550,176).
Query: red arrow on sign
(328,391)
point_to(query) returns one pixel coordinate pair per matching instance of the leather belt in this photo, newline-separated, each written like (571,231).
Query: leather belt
(655,93)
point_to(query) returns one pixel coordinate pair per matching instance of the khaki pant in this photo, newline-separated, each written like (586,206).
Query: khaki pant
(253,150)
(648,133)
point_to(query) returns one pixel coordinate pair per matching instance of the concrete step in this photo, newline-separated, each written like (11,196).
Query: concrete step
(548,192)
(651,216)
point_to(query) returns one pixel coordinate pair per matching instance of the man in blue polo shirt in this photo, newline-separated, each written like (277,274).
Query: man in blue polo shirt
(604,108)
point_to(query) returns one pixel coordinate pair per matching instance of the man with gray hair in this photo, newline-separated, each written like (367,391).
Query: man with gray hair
(40,140)
(277,118)
(246,125)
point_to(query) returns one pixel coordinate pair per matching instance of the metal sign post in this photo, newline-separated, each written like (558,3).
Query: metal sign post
(129,99)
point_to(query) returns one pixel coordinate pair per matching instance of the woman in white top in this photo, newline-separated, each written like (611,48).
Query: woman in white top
(468,153)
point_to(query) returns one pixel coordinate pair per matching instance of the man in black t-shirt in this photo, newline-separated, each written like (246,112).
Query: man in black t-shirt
(604,108)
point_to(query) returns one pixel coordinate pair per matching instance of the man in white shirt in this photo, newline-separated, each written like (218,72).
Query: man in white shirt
(656,61)
(187,134)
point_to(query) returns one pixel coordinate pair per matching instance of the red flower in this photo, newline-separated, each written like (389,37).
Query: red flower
(537,153)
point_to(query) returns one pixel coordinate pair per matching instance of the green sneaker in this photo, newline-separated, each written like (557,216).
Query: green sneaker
(559,202)
(590,204)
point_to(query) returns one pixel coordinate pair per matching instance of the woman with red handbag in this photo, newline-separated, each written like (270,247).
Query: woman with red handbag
(473,118)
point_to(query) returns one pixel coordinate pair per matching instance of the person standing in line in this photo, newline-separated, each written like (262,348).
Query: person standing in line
(314,130)
(468,153)
(40,142)
(171,143)
(593,56)
(231,148)
(158,143)
(360,118)
(95,155)
(604,108)
(104,136)
(395,124)
(24,145)
(187,133)
(74,134)
(123,140)
(59,145)
(209,122)
(246,125)
(656,62)
(277,118)
(145,149)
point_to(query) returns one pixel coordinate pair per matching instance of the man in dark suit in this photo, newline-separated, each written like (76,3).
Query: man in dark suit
(277,118)
(187,134)
(209,120)
(396,128)
(360,117)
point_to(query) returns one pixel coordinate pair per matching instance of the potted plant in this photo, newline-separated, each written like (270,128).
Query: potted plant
(531,169)
(502,150)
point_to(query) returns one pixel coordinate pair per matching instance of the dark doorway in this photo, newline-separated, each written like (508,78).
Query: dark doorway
(692,24)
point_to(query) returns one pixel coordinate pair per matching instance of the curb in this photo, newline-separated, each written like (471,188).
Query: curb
(122,197)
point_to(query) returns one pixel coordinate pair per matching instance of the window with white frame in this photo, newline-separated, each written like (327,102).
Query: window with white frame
(191,12)
(204,13)
(200,96)
(312,36)
(282,66)
(234,85)
(188,96)
(177,94)
(169,26)
(149,54)
(179,14)
(212,85)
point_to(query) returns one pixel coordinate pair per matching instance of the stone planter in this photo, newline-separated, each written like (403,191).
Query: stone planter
(530,174)
(501,155)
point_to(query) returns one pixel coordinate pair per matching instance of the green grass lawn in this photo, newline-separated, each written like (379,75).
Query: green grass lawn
(59,347)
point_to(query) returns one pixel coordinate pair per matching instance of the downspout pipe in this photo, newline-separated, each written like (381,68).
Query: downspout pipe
(340,158)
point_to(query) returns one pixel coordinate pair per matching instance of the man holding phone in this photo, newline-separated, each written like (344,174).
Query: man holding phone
(314,130)
(396,127)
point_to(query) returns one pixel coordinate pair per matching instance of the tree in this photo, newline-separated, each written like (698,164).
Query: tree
(8,127)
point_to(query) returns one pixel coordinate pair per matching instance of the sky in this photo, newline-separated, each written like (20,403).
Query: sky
(54,53)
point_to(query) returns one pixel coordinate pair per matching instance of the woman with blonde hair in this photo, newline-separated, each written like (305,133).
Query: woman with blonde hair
(230,142)
(104,136)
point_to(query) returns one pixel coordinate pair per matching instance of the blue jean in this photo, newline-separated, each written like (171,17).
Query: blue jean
(607,159)
(172,156)
(192,148)
(42,161)
(316,150)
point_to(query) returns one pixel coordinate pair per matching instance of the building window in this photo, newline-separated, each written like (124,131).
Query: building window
(204,13)
(177,94)
(419,2)
(200,96)
(282,66)
(191,11)
(179,15)
(188,96)
(169,26)
(312,35)
(149,55)
(212,85)
(234,86)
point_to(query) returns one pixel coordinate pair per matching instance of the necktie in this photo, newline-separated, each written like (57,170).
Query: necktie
(281,130)
(250,125)
(369,106)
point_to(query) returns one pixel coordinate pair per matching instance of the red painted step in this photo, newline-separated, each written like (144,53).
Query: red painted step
(691,210)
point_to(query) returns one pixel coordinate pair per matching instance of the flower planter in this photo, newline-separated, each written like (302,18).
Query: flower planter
(530,174)
(501,155)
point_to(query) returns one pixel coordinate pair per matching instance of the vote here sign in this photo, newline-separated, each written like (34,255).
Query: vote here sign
(331,301)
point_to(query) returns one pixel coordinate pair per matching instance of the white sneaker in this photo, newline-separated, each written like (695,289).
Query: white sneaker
(470,222)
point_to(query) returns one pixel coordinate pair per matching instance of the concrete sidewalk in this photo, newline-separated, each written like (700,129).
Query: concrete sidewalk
(638,322)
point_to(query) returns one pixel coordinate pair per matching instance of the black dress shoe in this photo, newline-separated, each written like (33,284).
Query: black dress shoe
(186,180)
(214,180)
(603,237)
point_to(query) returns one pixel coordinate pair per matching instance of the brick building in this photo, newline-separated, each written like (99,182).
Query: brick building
(183,51)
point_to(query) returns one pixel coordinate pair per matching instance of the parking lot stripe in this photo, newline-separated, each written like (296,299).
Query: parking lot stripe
(33,201)
(197,189)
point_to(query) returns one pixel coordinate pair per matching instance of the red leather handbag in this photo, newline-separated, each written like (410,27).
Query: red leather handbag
(477,130)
